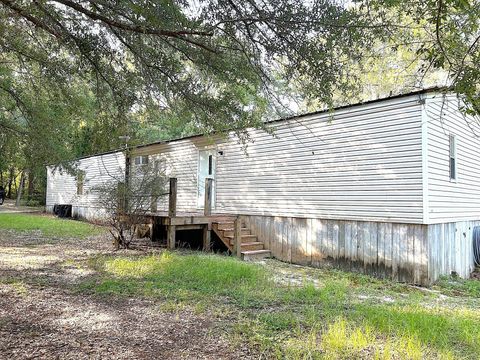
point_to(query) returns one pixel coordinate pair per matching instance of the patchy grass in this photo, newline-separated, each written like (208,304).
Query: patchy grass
(192,278)
(306,314)
(456,286)
(48,225)
(17,286)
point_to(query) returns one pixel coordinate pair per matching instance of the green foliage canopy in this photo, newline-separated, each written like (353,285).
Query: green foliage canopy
(76,74)
(445,35)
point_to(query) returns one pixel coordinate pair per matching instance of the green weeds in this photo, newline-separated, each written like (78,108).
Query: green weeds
(455,286)
(49,226)
(328,314)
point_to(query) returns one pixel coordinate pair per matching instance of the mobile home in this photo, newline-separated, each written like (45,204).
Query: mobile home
(388,187)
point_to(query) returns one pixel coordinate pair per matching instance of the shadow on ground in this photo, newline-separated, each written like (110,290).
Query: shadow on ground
(43,316)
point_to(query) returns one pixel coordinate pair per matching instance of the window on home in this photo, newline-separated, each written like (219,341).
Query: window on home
(453,157)
(80,182)
(141,160)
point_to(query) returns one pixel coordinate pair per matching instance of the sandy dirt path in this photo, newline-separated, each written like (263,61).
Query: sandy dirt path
(9,207)
(44,316)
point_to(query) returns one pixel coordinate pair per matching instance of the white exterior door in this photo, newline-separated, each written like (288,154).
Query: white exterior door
(206,170)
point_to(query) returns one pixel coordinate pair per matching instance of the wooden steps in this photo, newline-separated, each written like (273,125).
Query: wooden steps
(251,248)
(245,238)
(255,255)
(229,232)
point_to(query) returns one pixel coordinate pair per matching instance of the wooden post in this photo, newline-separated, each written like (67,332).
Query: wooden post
(172,198)
(237,237)
(155,227)
(171,236)
(126,189)
(207,233)
(207,209)
(172,212)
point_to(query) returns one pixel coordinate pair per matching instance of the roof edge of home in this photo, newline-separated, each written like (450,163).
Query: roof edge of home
(412,93)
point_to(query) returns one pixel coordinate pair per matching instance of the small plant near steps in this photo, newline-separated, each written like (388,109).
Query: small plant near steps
(251,248)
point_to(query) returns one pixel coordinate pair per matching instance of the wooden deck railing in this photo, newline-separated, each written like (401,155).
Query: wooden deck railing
(207,205)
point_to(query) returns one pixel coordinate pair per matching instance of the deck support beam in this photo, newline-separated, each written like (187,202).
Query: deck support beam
(171,229)
(237,237)
(207,235)
(172,212)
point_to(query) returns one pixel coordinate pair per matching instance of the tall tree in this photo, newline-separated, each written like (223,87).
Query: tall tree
(445,34)
(76,74)
(212,61)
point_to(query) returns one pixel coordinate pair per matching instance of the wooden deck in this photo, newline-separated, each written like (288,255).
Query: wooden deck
(185,221)
(229,228)
(189,218)
(234,234)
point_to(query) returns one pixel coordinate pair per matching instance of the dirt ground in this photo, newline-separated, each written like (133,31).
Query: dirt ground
(42,316)
(9,207)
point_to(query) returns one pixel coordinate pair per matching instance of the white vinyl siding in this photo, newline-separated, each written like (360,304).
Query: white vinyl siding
(364,163)
(62,187)
(359,163)
(179,159)
(452,200)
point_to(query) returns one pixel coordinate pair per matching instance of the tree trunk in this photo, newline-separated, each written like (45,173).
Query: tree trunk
(10,182)
(31,183)
(20,189)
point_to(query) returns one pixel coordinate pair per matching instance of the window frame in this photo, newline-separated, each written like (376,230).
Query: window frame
(143,160)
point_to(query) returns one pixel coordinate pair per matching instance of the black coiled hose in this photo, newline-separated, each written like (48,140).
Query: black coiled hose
(476,245)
